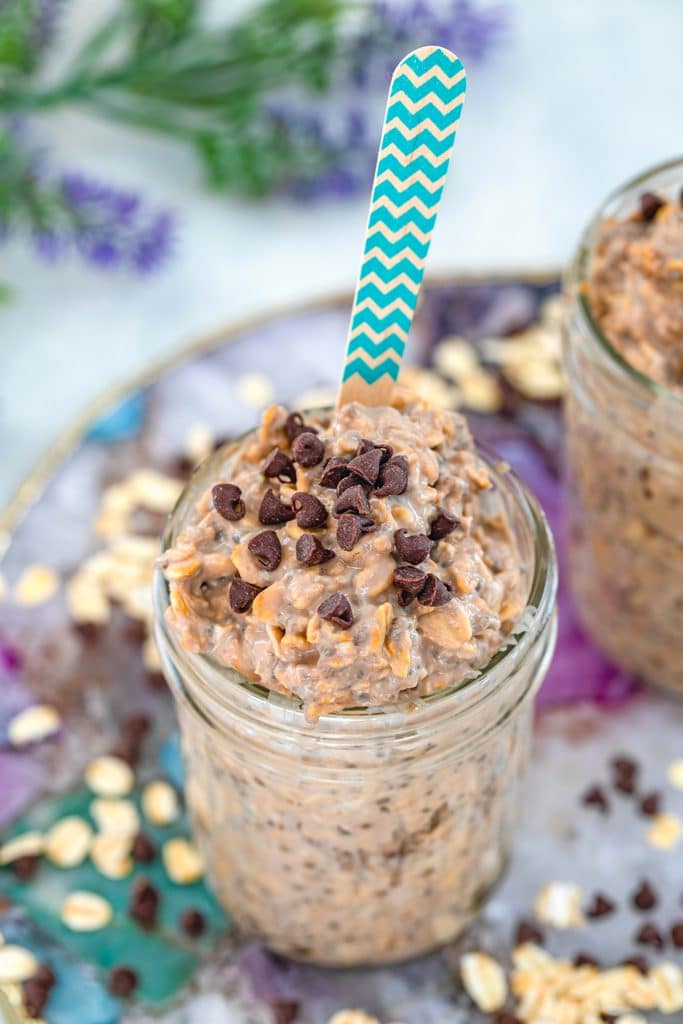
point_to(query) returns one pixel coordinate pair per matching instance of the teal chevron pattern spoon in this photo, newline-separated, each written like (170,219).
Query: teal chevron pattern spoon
(423,110)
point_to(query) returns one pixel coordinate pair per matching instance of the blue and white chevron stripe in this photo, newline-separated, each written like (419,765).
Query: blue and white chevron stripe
(425,101)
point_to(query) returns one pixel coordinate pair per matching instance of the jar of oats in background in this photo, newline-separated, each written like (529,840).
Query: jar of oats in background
(373,834)
(624,423)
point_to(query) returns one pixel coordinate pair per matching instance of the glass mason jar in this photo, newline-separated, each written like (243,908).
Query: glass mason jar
(624,477)
(375,834)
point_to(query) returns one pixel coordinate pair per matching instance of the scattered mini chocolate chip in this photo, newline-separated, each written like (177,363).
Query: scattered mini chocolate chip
(595,797)
(393,478)
(272,511)
(650,804)
(278,465)
(136,724)
(144,903)
(310,512)
(625,784)
(650,204)
(193,922)
(409,579)
(24,868)
(227,500)
(155,680)
(128,750)
(294,425)
(528,931)
(354,499)
(45,977)
(386,451)
(349,531)
(585,960)
(310,551)
(649,935)
(241,595)
(89,632)
(334,471)
(143,850)
(266,549)
(122,982)
(337,609)
(624,766)
(351,481)
(600,907)
(644,898)
(35,996)
(308,449)
(677,934)
(442,525)
(285,1011)
(435,592)
(412,547)
(639,962)
(506,1018)
(366,466)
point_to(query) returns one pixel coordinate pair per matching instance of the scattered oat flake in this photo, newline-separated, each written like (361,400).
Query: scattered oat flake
(28,844)
(67,844)
(109,776)
(674,773)
(456,358)
(558,904)
(199,442)
(352,1017)
(115,816)
(429,386)
(255,389)
(33,725)
(110,853)
(16,964)
(86,911)
(667,982)
(36,584)
(484,981)
(665,831)
(160,803)
(182,861)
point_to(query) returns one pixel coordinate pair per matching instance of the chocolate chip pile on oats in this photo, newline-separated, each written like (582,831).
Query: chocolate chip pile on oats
(310,551)
(227,500)
(266,549)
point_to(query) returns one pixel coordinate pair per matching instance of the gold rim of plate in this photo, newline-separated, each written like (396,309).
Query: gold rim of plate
(30,488)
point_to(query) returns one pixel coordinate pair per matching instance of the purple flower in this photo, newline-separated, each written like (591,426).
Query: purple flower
(45,22)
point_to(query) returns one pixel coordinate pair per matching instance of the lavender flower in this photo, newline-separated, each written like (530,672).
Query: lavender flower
(45,22)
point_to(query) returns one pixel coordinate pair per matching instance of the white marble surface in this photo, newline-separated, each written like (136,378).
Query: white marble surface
(582,95)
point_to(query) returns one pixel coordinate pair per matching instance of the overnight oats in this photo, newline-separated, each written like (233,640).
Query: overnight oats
(354,611)
(624,359)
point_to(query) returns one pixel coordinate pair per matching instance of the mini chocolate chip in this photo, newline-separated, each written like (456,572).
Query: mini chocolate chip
(129,750)
(45,977)
(435,592)
(350,481)
(310,551)
(308,449)
(122,982)
(412,547)
(649,935)
(272,511)
(393,478)
(506,1018)
(285,1011)
(442,525)
(366,466)
(650,804)
(334,471)
(405,598)
(644,898)
(144,903)
(595,797)
(409,579)
(155,680)
(349,531)
(241,595)
(639,962)
(365,446)
(528,931)
(585,960)
(143,850)
(624,767)
(294,425)
(336,608)
(266,549)
(227,500)
(354,499)
(136,724)
(279,465)
(677,934)
(650,204)
(35,996)
(625,784)
(600,907)
(310,511)
(90,632)
(193,922)
(24,868)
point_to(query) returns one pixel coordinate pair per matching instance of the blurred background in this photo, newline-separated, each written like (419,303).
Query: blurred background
(168,166)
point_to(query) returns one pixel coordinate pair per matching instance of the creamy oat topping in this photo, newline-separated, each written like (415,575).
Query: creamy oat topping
(637,288)
(349,560)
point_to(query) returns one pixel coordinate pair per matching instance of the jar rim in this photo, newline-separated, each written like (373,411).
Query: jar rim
(578,276)
(481,684)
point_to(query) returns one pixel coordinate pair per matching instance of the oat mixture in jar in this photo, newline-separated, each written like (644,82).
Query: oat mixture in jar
(624,358)
(354,614)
